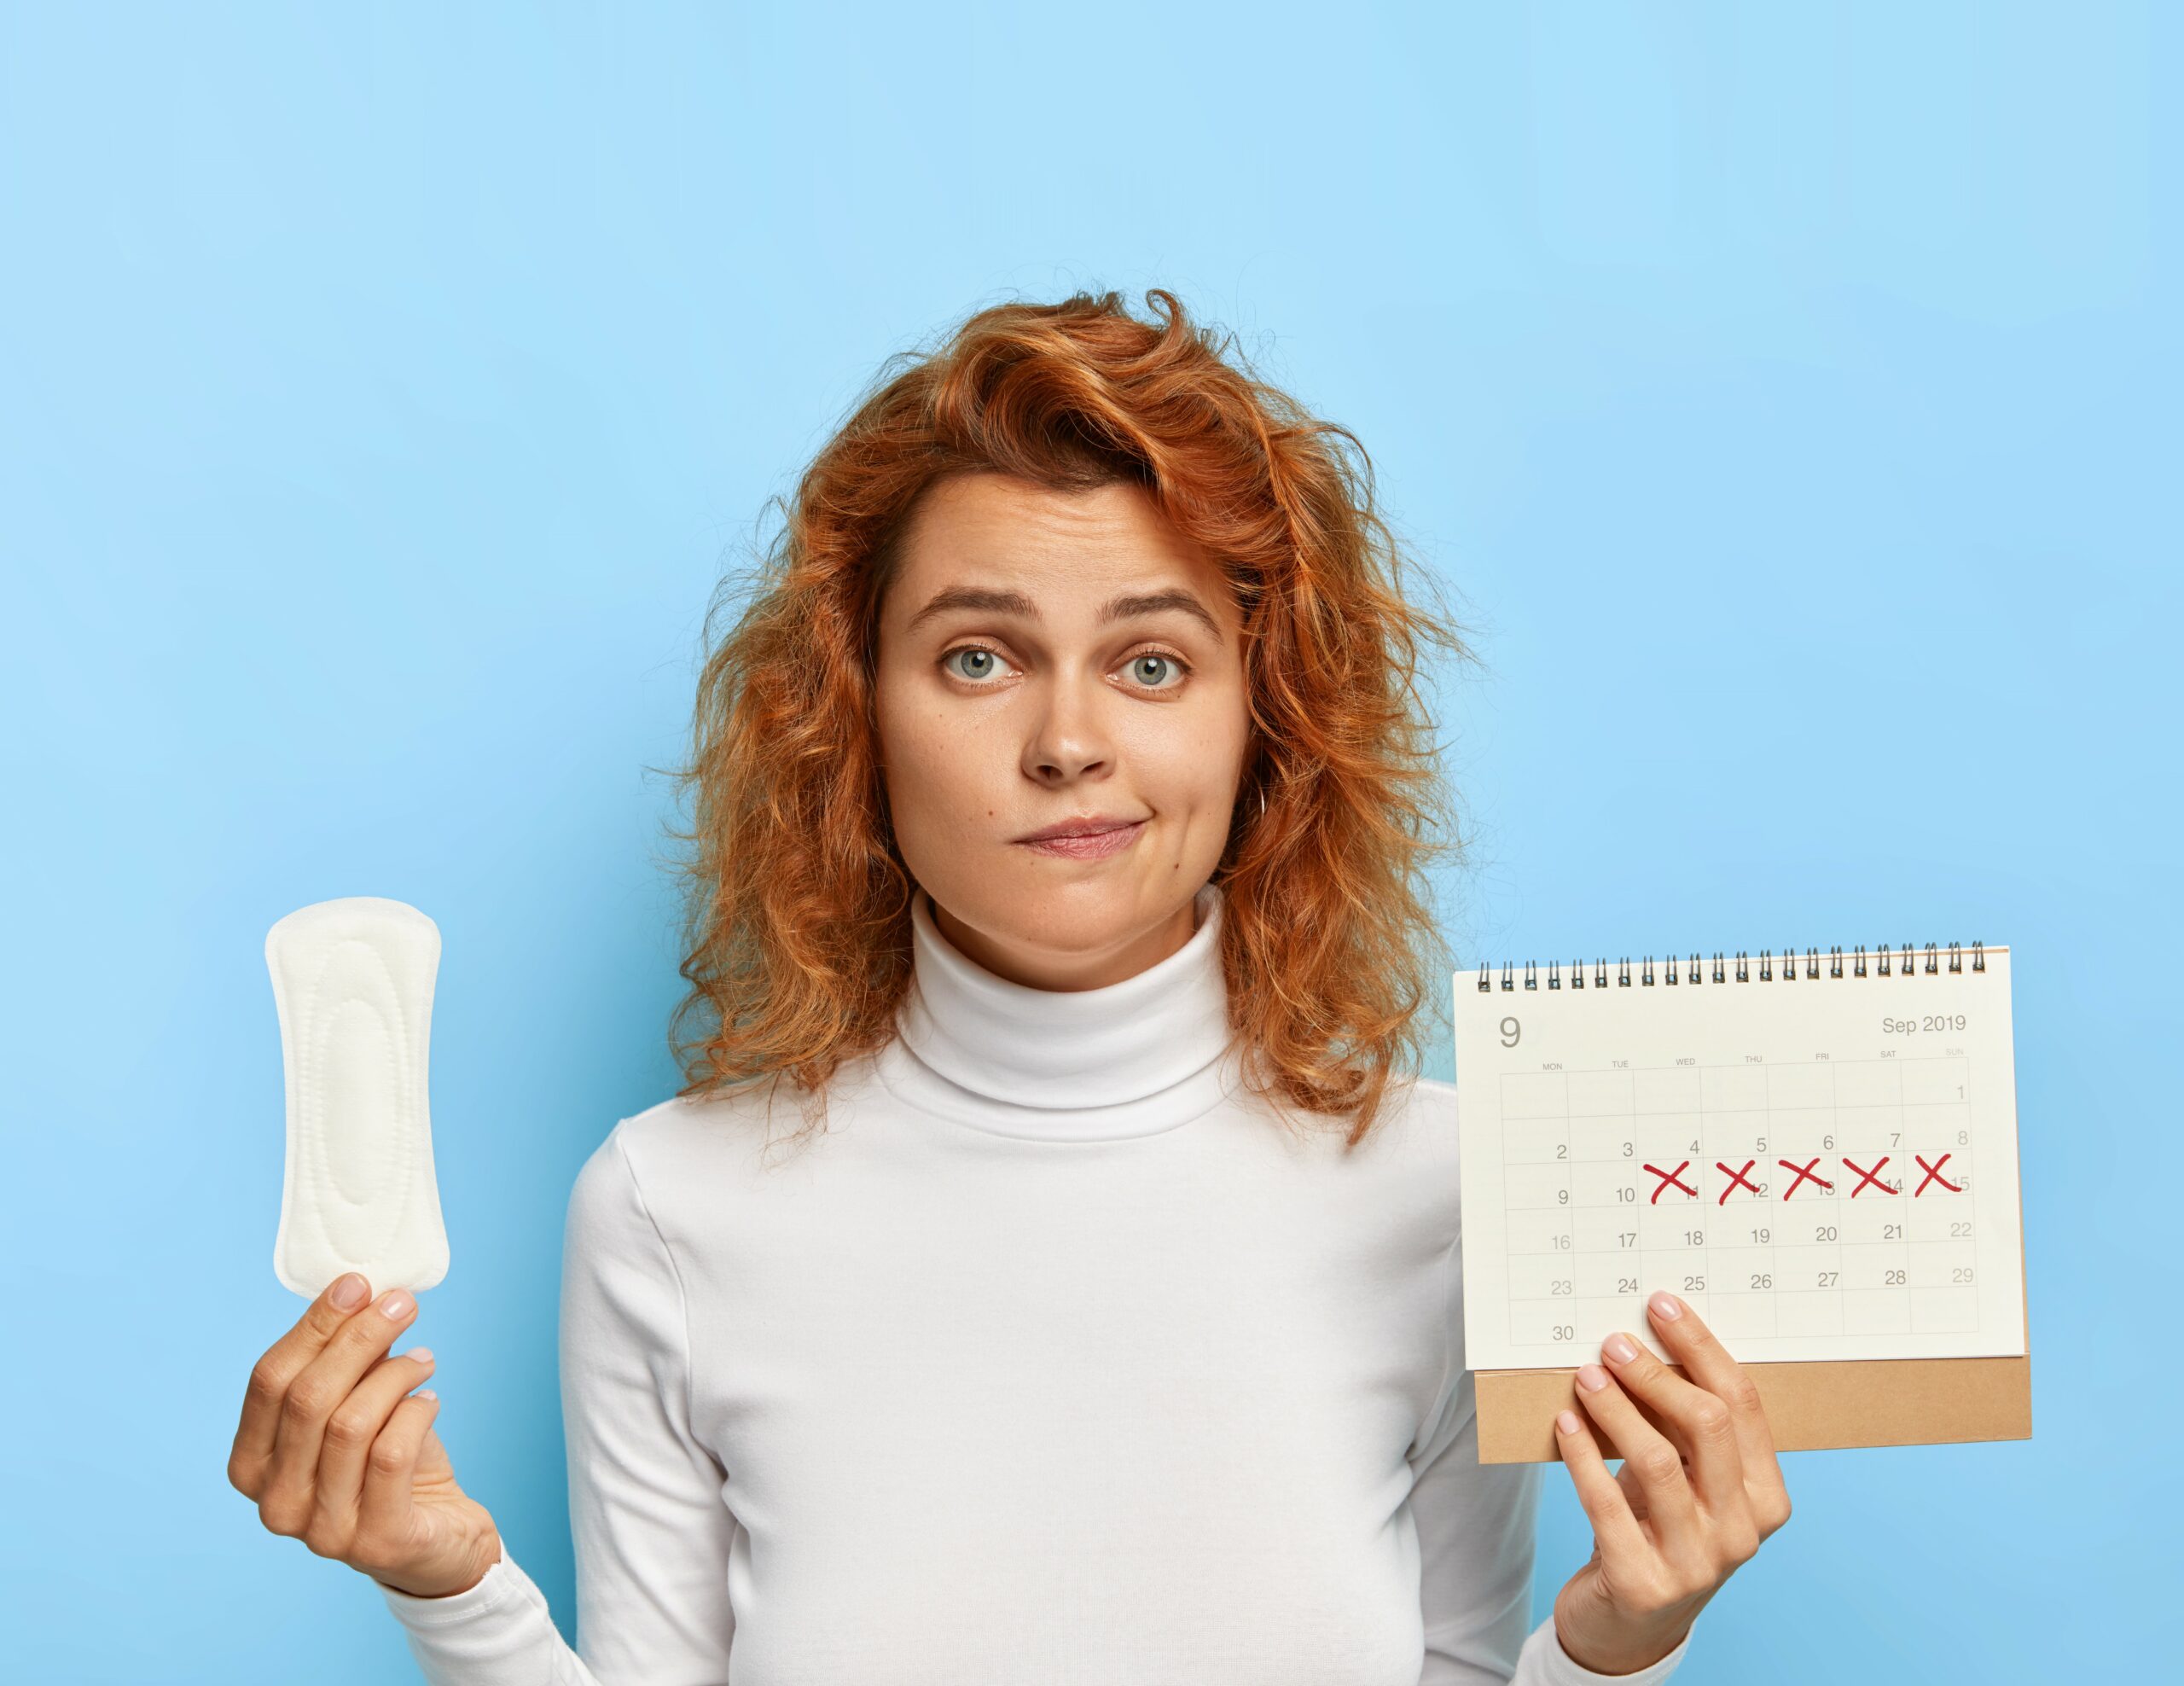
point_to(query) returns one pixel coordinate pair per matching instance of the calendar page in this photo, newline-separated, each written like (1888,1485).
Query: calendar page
(1818,1153)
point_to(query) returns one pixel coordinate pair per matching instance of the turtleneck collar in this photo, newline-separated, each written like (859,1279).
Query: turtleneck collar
(1128,1059)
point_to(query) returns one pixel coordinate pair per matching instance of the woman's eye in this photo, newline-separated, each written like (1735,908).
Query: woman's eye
(1156,663)
(984,659)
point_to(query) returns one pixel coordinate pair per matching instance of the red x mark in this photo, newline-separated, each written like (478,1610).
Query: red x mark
(1872,1177)
(1934,1175)
(1667,1177)
(1805,1174)
(1735,1178)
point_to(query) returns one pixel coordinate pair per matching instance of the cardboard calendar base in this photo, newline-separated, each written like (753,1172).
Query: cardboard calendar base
(1871,1402)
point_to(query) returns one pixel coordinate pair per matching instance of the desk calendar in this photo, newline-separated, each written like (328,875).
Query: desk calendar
(1817,1151)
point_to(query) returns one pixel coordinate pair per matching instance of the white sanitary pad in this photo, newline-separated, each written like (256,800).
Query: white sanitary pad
(353,980)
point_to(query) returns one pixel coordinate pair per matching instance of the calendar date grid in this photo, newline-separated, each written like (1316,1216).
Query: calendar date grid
(1806,1198)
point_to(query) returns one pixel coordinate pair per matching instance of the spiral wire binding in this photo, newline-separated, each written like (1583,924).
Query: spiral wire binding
(1674,972)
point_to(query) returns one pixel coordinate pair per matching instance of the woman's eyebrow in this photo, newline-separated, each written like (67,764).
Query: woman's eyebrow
(1126,607)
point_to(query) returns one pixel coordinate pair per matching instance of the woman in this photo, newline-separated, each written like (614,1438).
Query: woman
(1061,800)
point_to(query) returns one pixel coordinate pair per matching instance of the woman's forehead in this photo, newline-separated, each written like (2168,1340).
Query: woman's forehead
(994,544)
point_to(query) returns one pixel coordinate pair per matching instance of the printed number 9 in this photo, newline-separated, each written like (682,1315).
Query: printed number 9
(1511,1030)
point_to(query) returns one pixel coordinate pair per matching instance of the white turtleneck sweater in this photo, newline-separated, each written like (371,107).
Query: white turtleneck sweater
(1055,1359)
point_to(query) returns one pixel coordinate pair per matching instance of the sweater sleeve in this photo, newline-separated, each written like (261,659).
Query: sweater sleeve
(1476,1523)
(651,1531)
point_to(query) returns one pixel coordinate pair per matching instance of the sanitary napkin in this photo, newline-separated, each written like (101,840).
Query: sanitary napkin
(353,980)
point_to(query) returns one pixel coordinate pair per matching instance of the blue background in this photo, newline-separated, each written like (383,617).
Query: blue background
(381,396)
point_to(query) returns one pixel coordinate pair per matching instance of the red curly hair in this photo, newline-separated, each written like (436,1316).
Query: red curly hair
(797,932)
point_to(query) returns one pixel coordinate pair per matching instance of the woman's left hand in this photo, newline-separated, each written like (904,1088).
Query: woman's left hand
(1689,1506)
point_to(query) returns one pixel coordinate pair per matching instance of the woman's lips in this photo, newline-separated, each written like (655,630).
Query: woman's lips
(1092,846)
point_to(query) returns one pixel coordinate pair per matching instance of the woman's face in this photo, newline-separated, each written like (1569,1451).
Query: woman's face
(1039,664)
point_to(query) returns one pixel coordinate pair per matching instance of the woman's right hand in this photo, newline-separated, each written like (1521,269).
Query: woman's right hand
(337,1452)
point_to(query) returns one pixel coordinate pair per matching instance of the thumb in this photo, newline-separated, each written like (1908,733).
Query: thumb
(433,1467)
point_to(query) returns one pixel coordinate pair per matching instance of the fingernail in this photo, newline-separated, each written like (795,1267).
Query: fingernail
(427,1393)
(1619,1348)
(348,1292)
(1591,1377)
(423,1355)
(394,1304)
(1666,1306)
(1566,1421)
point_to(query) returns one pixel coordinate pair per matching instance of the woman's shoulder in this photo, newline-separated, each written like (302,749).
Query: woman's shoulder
(1435,1098)
(1419,1114)
(715,1138)
(686,1133)
(1405,1169)
(1420,1153)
